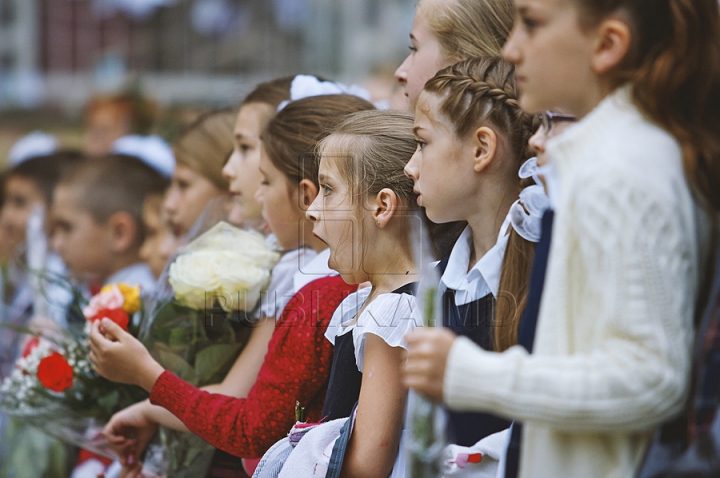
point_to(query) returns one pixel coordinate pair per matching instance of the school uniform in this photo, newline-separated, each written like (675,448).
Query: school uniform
(468,299)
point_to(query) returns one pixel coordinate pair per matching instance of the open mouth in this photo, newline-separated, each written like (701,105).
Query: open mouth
(321,239)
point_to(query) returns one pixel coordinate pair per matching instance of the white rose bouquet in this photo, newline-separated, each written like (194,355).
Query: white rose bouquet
(198,328)
(225,262)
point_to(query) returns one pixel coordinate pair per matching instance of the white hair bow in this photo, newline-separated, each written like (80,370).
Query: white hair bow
(305,86)
(526,213)
(151,150)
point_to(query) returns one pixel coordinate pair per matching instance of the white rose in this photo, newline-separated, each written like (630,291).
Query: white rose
(242,281)
(192,276)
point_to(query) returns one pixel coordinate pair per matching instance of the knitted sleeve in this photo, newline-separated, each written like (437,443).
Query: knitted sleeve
(296,367)
(615,326)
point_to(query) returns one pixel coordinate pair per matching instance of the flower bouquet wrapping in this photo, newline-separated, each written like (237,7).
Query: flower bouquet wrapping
(425,420)
(197,328)
(53,386)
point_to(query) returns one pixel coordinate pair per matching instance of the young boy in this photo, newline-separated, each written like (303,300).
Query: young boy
(97,218)
(98,231)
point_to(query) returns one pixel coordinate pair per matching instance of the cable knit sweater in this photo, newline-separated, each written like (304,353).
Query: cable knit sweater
(612,349)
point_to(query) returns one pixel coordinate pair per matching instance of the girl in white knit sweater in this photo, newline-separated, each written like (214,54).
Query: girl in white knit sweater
(612,349)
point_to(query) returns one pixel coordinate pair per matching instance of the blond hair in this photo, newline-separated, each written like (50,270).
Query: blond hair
(374,147)
(469,28)
(206,144)
(371,149)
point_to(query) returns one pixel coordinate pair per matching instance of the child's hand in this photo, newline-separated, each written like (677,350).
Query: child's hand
(424,370)
(120,357)
(129,432)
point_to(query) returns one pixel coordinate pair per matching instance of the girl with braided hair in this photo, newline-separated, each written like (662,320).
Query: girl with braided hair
(636,177)
(472,140)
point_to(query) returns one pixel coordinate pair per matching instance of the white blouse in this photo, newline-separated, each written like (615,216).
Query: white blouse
(389,316)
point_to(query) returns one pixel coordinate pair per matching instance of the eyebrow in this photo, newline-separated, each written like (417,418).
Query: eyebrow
(416,129)
(322,178)
(412,37)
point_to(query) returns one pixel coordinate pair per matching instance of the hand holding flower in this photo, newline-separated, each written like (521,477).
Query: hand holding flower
(424,370)
(120,357)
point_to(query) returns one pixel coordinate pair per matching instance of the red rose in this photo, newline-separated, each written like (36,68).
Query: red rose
(30,346)
(119,316)
(55,373)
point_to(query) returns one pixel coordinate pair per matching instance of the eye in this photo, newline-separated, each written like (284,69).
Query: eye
(529,24)
(183,185)
(264,182)
(421,144)
(326,189)
(413,49)
(245,148)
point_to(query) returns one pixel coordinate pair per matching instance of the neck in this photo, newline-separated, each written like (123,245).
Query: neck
(121,262)
(592,98)
(392,270)
(487,219)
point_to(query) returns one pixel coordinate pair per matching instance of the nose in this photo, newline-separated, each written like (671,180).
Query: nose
(401,72)
(228,171)
(538,140)
(411,169)
(56,242)
(510,51)
(171,201)
(313,212)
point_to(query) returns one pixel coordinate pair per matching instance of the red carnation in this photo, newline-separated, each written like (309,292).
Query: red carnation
(55,373)
(119,316)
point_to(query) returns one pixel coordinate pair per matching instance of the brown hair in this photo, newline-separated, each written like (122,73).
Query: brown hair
(483,91)
(271,92)
(291,137)
(115,183)
(45,171)
(206,144)
(674,68)
(469,28)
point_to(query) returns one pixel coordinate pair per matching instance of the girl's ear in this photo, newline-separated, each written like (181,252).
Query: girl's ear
(307,192)
(384,207)
(613,44)
(485,145)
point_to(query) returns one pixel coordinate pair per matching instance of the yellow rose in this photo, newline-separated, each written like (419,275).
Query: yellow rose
(132,298)
(130,294)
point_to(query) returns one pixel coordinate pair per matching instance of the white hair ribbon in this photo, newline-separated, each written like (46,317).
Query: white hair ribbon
(151,150)
(31,146)
(305,86)
(526,213)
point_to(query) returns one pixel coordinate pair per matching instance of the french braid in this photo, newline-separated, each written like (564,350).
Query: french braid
(479,92)
(483,89)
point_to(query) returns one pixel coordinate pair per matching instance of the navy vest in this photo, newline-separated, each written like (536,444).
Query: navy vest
(474,321)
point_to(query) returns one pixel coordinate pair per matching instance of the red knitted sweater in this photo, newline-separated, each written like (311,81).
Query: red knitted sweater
(296,367)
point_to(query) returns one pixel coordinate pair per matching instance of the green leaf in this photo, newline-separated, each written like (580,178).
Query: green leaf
(174,363)
(108,401)
(213,361)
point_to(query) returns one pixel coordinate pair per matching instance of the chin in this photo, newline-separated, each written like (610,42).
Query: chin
(531,105)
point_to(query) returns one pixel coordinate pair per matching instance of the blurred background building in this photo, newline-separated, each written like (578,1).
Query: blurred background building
(57,54)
